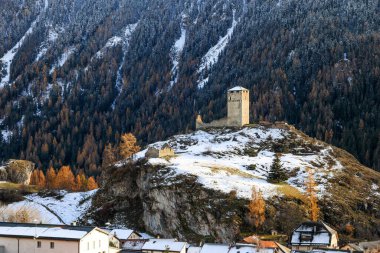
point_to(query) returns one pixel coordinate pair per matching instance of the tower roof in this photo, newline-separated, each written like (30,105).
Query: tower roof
(237,88)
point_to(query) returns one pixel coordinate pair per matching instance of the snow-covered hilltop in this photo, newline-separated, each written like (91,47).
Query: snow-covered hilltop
(228,160)
(202,191)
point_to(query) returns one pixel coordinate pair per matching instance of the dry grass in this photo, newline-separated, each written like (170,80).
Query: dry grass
(13,186)
(290,191)
(232,171)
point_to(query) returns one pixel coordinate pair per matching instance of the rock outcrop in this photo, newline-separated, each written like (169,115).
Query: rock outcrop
(16,171)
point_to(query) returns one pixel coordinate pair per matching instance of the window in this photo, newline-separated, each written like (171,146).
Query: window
(38,244)
(93,244)
(52,245)
(100,243)
(88,245)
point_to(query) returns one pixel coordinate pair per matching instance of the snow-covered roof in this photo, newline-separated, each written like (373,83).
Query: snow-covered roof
(133,244)
(243,248)
(312,233)
(164,244)
(122,234)
(41,231)
(237,88)
(193,249)
(215,248)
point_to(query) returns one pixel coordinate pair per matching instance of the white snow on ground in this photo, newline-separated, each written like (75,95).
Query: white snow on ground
(218,158)
(211,57)
(9,56)
(6,135)
(66,210)
(64,57)
(175,54)
(202,83)
(40,212)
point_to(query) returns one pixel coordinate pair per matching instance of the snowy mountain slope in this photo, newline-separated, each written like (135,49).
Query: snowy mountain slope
(221,160)
(203,190)
(63,208)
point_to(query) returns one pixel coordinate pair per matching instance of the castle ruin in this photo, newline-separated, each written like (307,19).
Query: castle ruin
(237,110)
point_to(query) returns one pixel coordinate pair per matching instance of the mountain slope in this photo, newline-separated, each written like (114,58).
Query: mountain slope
(311,63)
(202,192)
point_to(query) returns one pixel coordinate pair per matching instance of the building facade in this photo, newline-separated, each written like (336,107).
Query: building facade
(26,238)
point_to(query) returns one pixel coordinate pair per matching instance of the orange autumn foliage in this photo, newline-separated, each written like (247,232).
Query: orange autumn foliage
(92,185)
(63,180)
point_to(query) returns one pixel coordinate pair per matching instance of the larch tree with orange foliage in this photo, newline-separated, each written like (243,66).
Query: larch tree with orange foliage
(51,178)
(41,179)
(92,185)
(311,196)
(256,208)
(81,182)
(65,179)
(128,145)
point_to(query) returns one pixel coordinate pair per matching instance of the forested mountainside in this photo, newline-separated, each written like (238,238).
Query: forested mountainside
(76,74)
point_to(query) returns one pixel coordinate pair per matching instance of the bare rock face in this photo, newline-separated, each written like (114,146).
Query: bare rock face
(17,171)
(181,208)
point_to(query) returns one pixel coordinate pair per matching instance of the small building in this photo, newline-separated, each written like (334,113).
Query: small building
(164,151)
(164,245)
(311,235)
(41,238)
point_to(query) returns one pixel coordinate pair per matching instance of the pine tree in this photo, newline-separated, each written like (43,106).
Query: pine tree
(81,182)
(256,208)
(277,174)
(311,195)
(128,145)
(92,185)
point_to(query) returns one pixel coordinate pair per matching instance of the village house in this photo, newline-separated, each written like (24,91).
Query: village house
(40,238)
(159,152)
(311,235)
(164,246)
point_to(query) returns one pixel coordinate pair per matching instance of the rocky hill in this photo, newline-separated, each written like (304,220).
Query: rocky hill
(202,192)
(74,75)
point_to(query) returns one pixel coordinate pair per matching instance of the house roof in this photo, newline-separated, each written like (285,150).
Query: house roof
(215,248)
(38,231)
(237,88)
(268,244)
(164,244)
(312,233)
(193,249)
(243,248)
(122,234)
(133,244)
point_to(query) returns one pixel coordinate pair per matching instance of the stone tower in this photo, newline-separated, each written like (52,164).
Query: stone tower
(237,106)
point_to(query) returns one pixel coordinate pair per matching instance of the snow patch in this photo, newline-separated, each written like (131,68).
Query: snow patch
(64,57)
(66,210)
(176,52)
